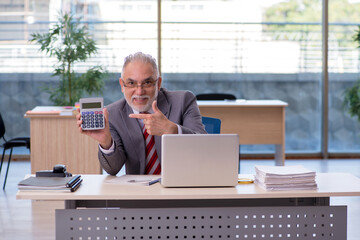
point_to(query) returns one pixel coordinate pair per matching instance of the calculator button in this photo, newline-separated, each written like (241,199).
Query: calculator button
(92,119)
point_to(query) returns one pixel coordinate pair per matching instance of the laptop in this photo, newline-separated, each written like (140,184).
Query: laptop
(199,160)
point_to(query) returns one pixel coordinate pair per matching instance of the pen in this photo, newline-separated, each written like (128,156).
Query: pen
(139,181)
(154,181)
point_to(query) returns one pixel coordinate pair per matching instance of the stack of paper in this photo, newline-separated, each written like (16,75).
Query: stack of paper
(66,184)
(52,110)
(285,178)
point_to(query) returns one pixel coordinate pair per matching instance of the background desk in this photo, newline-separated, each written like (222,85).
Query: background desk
(133,211)
(256,121)
(57,140)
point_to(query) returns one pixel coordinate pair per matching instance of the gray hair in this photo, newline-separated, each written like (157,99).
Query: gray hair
(145,58)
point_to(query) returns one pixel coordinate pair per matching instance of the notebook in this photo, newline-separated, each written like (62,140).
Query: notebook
(199,160)
(66,184)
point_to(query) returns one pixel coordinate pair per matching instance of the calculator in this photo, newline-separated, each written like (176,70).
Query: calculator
(92,113)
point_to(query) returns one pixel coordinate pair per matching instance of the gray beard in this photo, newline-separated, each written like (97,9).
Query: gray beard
(145,108)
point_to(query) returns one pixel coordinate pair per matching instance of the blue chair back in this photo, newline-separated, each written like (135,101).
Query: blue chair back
(212,125)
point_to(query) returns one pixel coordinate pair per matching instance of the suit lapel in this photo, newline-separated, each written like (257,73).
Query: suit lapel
(163,104)
(165,107)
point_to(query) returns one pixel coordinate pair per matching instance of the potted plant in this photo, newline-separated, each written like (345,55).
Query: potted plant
(352,94)
(69,41)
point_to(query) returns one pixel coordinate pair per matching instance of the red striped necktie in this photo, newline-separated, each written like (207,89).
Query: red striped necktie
(152,161)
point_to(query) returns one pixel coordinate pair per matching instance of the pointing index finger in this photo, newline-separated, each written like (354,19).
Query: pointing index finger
(139,115)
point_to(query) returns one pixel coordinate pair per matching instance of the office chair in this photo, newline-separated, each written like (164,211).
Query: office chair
(212,125)
(215,96)
(12,143)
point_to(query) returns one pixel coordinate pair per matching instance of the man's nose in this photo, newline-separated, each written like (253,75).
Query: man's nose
(139,89)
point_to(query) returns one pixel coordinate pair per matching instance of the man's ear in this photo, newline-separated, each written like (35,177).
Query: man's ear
(121,84)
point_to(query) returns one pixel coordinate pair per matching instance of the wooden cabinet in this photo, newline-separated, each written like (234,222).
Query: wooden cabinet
(57,140)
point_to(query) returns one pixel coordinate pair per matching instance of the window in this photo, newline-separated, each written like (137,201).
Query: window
(343,54)
(254,50)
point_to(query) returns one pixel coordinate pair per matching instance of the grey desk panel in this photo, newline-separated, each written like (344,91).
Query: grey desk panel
(177,203)
(301,222)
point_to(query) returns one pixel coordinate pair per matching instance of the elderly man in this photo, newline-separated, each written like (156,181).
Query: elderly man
(134,124)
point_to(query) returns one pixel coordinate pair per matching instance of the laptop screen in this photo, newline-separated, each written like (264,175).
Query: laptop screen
(199,160)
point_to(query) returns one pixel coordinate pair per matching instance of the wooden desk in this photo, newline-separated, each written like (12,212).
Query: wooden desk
(107,187)
(111,207)
(56,140)
(256,121)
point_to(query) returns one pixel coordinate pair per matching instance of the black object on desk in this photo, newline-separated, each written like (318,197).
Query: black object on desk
(73,181)
(215,96)
(59,170)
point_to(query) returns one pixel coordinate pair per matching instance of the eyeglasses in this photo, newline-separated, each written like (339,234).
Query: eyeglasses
(145,84)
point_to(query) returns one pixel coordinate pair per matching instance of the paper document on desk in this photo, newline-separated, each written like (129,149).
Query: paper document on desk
(297,170)
(132,179)
(285,178)
(51,110)
(287,187)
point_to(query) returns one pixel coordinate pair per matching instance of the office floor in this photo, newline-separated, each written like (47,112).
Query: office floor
(35,220)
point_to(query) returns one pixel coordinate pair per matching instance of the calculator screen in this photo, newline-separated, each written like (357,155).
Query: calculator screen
(91,105)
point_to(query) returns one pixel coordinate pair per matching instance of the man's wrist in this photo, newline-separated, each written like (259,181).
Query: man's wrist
(106,146)
(173,129)
(108,151)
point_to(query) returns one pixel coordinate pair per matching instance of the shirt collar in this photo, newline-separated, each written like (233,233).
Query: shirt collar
(151,111)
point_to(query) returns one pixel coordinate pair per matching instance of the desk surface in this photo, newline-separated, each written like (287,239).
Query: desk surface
(105,187)
(243,103)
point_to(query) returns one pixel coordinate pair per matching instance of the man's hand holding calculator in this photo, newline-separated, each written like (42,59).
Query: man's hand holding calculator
(92,121)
